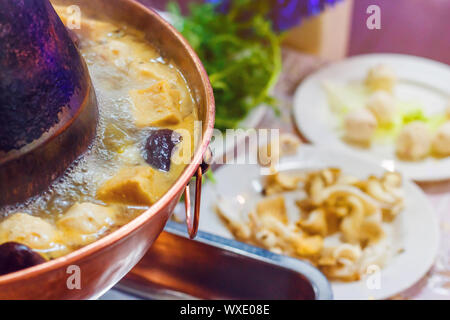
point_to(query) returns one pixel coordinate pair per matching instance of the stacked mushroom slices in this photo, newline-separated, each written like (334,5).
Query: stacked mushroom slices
(339,223)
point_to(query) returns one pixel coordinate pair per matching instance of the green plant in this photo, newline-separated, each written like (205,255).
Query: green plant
(240,52)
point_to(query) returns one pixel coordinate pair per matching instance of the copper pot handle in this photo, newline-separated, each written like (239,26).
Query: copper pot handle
(192,221)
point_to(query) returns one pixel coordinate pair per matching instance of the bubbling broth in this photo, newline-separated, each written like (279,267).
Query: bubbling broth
(141,97)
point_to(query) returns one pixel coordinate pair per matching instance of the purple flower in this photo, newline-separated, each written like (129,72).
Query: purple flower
(286,14)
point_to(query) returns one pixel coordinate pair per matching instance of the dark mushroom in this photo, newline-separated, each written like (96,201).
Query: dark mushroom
(159,148)
(15,256)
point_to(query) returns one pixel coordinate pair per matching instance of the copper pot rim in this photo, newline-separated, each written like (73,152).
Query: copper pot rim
(168,197)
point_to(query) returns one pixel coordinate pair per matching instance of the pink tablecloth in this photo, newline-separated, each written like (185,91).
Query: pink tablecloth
(417,27)
(436,284)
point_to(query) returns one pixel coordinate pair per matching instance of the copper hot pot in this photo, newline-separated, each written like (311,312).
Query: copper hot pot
(103,263)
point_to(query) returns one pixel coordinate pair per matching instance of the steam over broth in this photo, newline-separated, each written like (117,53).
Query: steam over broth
(138,92)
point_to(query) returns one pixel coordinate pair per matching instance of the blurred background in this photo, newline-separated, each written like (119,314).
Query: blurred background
(260,69)
(406,26)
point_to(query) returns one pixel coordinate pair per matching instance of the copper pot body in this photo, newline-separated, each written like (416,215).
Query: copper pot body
(89,272)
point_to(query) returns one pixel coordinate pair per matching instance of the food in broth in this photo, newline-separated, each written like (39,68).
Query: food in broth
(145,138)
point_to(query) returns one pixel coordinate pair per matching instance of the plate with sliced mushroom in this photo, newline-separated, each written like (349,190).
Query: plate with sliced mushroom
(390,107)
(372,232)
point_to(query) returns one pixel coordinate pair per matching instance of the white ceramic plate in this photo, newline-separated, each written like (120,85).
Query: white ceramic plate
(416,228)
(420,79)
(221,147)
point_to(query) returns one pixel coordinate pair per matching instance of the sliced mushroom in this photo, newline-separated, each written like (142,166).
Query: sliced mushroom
(159,148)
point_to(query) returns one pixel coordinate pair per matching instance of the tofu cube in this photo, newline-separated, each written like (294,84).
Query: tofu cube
(87,218)
(31,231)
(155,106)
(131,186)
(151,71)
(84,223)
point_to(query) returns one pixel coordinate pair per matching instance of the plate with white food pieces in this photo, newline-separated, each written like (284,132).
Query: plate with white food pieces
(390,107)
(372,232)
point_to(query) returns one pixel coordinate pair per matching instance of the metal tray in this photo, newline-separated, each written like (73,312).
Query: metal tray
(212,267)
